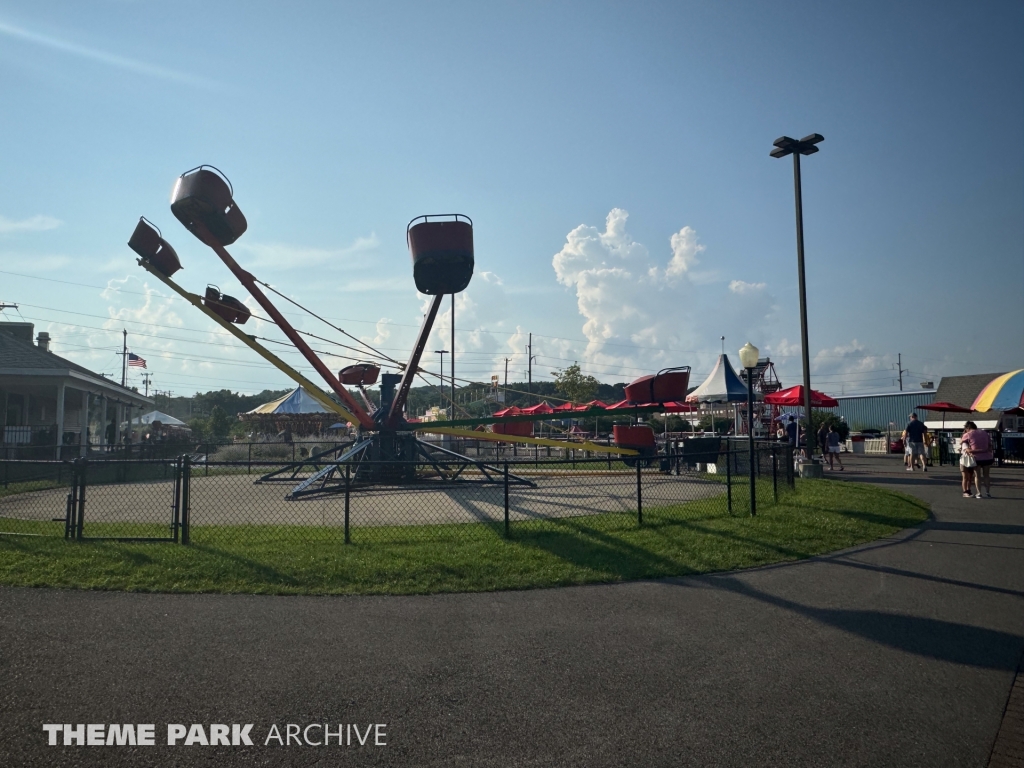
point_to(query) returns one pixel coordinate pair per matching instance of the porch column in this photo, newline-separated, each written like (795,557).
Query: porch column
(102,430)
(60,419)
(83,436)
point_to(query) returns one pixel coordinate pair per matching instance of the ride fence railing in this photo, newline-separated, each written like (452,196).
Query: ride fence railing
(239,503)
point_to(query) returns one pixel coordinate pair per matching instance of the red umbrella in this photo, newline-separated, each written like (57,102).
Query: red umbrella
(591,404)
(944,408)
(563,407)
(510,411)
(795,396)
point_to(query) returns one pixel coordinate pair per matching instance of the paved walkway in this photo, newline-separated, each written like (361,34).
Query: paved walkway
(898,653)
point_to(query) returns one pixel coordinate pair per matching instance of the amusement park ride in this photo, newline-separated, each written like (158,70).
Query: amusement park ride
(387,448)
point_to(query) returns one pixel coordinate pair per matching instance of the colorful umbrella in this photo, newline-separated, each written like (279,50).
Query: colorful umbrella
(1002,393)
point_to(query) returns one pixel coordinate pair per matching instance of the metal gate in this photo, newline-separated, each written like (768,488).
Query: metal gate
(128,501)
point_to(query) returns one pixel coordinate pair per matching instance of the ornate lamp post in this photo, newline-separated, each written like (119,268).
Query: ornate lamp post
(748,359)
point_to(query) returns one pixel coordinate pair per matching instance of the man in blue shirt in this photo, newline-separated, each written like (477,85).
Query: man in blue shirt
(792,432)
(915,440)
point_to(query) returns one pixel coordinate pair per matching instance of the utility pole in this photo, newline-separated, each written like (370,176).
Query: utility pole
(506,382)
(124,357)
(145,378)
(899,366)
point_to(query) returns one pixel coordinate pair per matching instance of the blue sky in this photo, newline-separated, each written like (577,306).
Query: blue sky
(614,158)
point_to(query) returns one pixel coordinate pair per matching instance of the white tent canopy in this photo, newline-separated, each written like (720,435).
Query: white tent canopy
(163,418)
(721,386)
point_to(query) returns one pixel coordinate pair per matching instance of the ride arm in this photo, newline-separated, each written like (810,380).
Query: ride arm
(312,389)
(496,438)
(412,367)
(246,279)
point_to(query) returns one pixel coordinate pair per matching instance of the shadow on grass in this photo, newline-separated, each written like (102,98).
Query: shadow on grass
(261,570)
(586,547)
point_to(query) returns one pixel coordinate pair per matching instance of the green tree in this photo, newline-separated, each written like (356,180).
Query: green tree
(219,422)
(573,385)
(200,428)
(721,424)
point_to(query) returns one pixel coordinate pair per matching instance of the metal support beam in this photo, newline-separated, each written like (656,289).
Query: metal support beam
(398,404)
(247,280)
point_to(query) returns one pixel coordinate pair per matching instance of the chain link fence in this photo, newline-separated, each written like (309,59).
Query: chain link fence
(189,499)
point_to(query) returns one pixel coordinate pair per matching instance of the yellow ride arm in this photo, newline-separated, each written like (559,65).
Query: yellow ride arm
(496,438)
(312,389)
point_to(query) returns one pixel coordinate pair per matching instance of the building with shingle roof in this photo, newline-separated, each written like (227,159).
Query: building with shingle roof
(53,407)
(962,390)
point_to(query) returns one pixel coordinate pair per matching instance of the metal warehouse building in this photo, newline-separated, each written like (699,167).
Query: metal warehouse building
(878,411)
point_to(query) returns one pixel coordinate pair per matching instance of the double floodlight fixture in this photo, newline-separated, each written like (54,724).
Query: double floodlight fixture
(805,146)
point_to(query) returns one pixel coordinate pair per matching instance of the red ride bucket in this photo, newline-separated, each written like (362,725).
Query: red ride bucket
(514,429)
(665,386)
(442,254)
(359,375)
(638,438)
(227,307)
(150,245)
(202,197)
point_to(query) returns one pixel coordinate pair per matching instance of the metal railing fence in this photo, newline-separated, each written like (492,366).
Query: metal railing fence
(179,500)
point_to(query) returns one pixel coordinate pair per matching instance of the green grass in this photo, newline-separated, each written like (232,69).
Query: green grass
(820,516)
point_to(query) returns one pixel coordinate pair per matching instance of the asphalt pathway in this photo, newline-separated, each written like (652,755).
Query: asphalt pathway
(901,652)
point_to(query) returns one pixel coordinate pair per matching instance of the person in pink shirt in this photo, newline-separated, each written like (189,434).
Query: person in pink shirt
(978,444)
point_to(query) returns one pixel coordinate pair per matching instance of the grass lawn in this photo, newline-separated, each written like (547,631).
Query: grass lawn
(819,516)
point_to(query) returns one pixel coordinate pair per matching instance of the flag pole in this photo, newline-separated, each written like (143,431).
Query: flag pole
(124,357)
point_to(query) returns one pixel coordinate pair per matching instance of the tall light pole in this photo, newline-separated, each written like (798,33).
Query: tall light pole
(805,146)
(748,359)
(442,353)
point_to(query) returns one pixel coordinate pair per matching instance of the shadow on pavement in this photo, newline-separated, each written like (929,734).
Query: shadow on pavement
(932,638)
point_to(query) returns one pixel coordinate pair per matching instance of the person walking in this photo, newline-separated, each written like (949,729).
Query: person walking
(977,444)
(823,441)
(833,442)
(968,464)
(792,432)
(915,439)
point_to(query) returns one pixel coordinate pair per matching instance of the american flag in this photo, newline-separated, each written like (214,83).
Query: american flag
(136,361)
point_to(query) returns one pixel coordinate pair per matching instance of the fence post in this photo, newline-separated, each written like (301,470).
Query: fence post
(728,477)
(186,499)
(69,519)
(775,475)
(176,501)
(348,478)
(249,470)
(80,523)
(639,494)
(506,499)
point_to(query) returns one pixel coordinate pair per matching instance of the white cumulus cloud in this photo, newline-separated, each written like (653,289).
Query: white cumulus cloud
(642,312)
(37,223)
